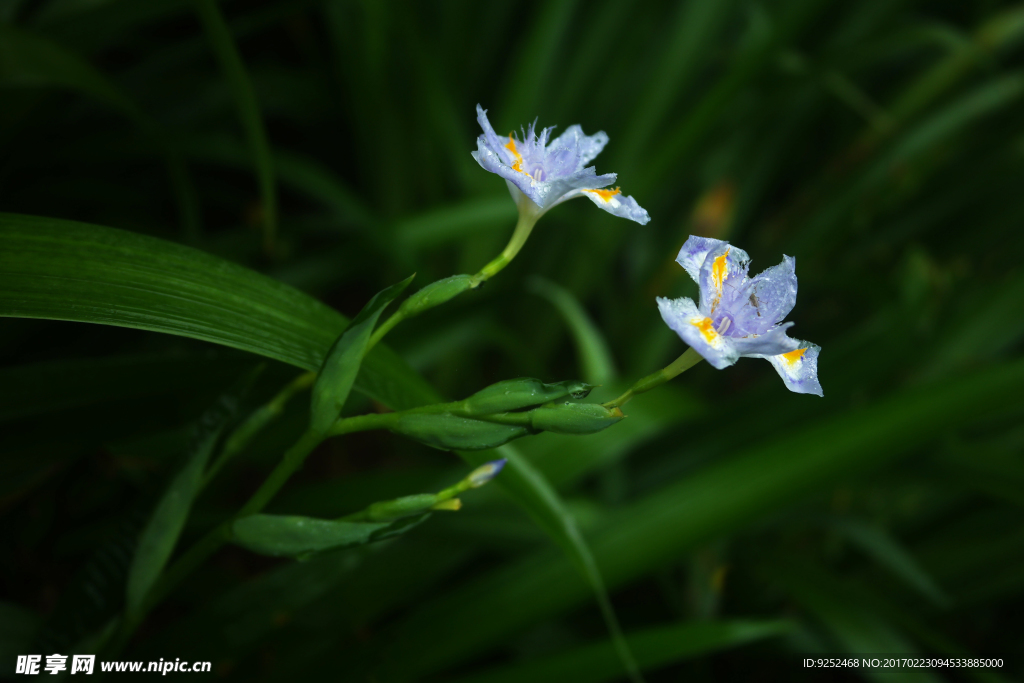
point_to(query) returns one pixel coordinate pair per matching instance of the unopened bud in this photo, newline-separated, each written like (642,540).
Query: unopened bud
(516,394)
(451,504)
(573,418)
(388,510)
(452,432)
(483,474)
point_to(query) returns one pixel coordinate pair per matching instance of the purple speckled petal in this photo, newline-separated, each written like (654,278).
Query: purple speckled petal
(772,342)
(589,146)
(799,371)
(695,250)
(721,278)
(766,299)
(694,328)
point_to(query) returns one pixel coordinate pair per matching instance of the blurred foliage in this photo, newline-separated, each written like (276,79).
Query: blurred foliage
(325,143)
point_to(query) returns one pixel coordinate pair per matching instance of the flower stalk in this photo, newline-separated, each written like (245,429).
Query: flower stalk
(656,379)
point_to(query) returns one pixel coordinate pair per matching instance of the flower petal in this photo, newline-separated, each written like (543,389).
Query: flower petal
(695,250)
(697,330)
(771,343)
(799,368)
(617,204)
(490,161)
(767,298)
(589,146)
(722,276)
(492,140)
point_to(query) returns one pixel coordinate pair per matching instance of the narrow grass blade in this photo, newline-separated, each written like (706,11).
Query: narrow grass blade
(338,374)
(595,357)
(158,538)
(248,110)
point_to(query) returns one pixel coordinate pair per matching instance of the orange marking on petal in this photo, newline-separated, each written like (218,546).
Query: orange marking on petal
(707,328)
(793,356)
(718,270)
(511,146)
(606,195)
(718,273)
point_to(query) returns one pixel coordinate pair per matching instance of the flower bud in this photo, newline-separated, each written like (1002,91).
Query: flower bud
(483,474)
(390,510)
(453,432)
(573,418)
(516,394)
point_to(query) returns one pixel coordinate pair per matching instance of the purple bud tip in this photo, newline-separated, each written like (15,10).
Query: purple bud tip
(483,474)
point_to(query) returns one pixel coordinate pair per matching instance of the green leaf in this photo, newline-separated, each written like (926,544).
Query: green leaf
(294,536)
(715,501)
(336,377)
(654,648)
(596,359)
(248,109)
(547,509)
(160,535)
(453,432)
(62,270)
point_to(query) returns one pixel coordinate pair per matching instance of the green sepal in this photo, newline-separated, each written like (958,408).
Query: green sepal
(302,537)
(568,418)
(341,365)
(435,294)
(391,510)
(454,432)
(517,394)
(574,418)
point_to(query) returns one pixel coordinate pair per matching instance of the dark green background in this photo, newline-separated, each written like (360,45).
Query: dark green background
(738,526)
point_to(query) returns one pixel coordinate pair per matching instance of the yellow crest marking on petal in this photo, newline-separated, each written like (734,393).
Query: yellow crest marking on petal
(718,271)
(606,195)
(793,356)
(511,146)
(707,328)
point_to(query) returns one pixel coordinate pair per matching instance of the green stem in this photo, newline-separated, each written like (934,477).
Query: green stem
(245,432)
(212,541)
(290,463)
(293,459)
(527,219)
(676,367)
(385,327)
(524,226)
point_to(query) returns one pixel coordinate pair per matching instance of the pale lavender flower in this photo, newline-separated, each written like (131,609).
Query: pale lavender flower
(741,316)
(549,173)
